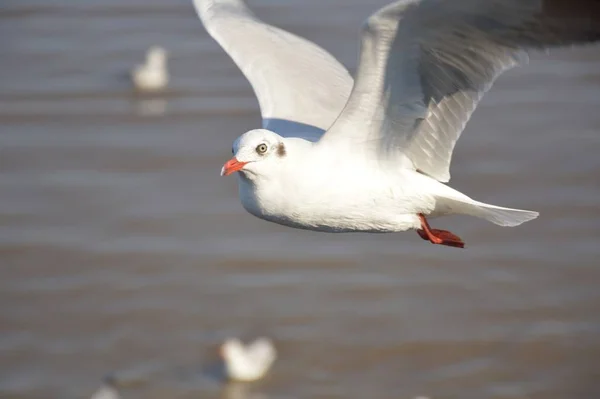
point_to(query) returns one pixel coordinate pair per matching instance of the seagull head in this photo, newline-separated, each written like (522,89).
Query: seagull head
(156,57)
(255,153)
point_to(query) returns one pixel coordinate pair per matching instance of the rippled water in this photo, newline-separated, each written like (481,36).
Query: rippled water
(121,248)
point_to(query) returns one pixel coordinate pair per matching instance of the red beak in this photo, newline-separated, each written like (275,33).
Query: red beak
(231,166)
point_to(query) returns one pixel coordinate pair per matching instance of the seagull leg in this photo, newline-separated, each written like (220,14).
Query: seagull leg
(435,236)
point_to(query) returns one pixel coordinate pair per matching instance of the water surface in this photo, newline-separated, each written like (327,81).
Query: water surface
(121,248)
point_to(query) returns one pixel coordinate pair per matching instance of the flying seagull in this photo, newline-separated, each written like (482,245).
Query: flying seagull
(372,154)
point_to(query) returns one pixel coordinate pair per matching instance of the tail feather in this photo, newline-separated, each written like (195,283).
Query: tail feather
(499,215)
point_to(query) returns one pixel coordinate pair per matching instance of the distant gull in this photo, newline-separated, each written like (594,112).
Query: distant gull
(373,154)
(247,362)
(107,391)
(153,75)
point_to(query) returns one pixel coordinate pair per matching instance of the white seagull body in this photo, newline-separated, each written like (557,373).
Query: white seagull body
(248,362)
(373,154)
(153,75)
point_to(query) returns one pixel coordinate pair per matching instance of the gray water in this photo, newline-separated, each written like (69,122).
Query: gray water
(122,250)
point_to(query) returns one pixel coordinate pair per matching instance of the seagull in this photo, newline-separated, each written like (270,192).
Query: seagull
(153,75)
(247,362)
(108,390)
(372,154)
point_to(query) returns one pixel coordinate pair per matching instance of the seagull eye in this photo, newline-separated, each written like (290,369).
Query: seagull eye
(261,148)
(233,152)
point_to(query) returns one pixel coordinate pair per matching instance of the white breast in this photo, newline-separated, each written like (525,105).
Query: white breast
(335,202)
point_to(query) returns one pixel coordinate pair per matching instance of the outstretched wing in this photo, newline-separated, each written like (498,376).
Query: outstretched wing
(300,87)
(425,64)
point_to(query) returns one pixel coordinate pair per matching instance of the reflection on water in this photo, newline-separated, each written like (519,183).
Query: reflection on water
(150,107)
(235,390)
(121,248)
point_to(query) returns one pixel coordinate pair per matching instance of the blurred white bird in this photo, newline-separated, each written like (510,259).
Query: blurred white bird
(247,362)
(373,155)
(153,75)
(107,391)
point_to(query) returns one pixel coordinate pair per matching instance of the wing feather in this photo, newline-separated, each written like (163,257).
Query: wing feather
(300,87)
(425,64)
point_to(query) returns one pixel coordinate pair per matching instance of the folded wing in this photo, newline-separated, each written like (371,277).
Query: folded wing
(261,351)
(425,64)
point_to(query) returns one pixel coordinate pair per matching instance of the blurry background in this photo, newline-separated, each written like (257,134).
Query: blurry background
(121,248)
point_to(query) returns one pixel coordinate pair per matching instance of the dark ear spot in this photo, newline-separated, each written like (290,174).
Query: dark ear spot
(281,150)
